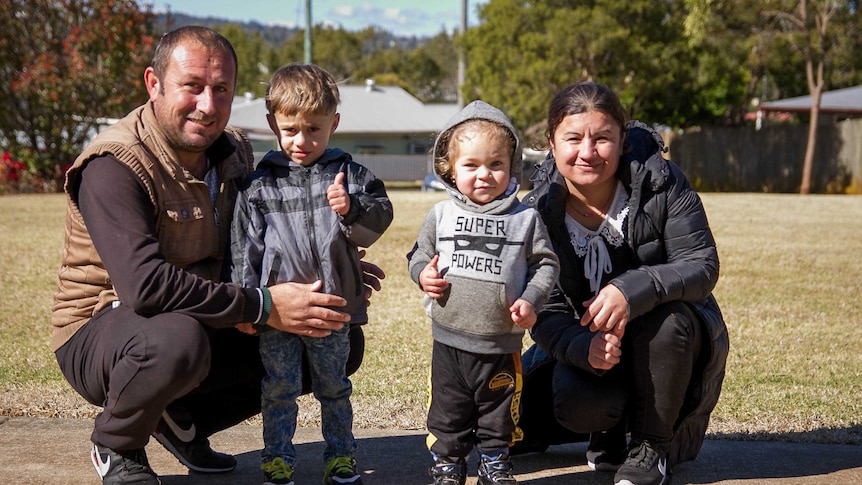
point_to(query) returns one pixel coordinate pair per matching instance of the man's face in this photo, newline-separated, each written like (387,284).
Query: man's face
(192,100)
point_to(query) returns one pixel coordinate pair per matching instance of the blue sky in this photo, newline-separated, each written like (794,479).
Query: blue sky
(401,17)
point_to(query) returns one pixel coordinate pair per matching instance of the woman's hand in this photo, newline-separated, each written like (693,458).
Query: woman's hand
(607,312)
(605,351)
(432,283)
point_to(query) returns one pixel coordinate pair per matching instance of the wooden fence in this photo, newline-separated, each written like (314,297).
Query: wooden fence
(770,160)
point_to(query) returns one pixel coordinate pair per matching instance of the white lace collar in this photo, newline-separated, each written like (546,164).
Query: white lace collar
(591,245)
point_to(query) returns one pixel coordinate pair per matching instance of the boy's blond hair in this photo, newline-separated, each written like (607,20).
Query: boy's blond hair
(302,88)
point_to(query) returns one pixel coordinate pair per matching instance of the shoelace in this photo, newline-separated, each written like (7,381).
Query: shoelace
(277,469)
(645,456)
(446,473)
(135,461)
(498,469)
(342,466)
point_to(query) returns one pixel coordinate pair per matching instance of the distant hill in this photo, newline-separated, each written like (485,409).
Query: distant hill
(274,35)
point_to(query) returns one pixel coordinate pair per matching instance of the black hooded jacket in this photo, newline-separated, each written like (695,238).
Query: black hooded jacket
(675,260)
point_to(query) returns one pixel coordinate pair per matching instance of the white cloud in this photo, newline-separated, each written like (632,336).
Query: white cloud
(344,10)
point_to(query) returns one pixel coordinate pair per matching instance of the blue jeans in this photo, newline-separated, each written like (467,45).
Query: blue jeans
(281,354)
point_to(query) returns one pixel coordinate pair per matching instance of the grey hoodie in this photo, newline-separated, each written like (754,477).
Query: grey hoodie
(490,254)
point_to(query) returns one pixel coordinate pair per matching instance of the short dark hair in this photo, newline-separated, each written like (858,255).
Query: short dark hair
(583,97)
(203,35)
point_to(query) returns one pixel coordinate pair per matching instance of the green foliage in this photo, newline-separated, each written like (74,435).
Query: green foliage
(64,66)
(676,62)
(252,73)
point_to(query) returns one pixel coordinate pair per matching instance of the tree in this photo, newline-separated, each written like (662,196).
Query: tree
(807,28)
(522,53)
(64,65)
(252,73)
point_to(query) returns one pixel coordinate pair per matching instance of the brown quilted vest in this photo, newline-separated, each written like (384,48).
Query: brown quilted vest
(186,225)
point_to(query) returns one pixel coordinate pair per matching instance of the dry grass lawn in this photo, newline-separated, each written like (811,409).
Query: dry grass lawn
(790,289)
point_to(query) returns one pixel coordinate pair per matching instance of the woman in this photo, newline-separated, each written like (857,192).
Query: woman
(631,339)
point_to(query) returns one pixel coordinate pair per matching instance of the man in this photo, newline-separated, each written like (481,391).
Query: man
(142,325)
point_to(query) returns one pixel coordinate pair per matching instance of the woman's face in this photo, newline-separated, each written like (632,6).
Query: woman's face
(587,148)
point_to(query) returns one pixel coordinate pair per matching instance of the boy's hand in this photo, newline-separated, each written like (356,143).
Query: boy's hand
(338,197)
(432,284)
(523,314)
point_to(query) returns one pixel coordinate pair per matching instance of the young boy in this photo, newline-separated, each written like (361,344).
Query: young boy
(301,218)
(485,264)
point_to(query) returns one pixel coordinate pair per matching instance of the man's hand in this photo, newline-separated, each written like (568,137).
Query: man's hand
(338,197)
(301,309)
(432,283)
(371,276)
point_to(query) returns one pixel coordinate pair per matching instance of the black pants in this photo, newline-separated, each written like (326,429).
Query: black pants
(134,367)
(474,401)
(647,389)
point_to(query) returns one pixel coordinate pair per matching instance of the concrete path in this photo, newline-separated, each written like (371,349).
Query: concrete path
(56,451)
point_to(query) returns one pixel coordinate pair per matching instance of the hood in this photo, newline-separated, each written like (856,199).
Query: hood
(479,110)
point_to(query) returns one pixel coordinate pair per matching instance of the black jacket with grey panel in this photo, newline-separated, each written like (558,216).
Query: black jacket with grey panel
(285,230)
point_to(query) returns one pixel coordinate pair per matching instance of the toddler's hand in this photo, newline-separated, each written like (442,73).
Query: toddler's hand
(523,314)
(432,284)
(337,195)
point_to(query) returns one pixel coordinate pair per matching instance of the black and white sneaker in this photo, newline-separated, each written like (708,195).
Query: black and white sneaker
(121,468)
(178,435)
(496,470)
(448,472)
(644,465)
(607,450)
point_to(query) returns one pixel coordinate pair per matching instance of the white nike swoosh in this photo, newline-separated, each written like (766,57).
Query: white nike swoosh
(102,467)
(662,467)
(184,435)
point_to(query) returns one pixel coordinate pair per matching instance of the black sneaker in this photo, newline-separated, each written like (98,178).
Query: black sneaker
(496,470)
(341,469)
(644,465)
(178,436)
(126,467)
(607,450)
(448,472)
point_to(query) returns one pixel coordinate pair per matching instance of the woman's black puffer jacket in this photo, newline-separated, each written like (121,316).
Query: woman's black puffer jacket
(676,260)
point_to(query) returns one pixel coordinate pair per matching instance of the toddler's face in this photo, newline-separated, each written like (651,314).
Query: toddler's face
(481,168)
(303,137)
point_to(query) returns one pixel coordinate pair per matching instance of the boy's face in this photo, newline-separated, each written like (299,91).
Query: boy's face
(481,168)
(303,137)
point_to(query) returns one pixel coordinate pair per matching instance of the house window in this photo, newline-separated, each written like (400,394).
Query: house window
(368,149)
(418,148)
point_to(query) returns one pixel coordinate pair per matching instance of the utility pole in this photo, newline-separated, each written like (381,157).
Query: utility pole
(308,31)
(462,64)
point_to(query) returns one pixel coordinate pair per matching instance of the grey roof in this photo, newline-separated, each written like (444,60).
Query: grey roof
(364,110)
(840,101)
